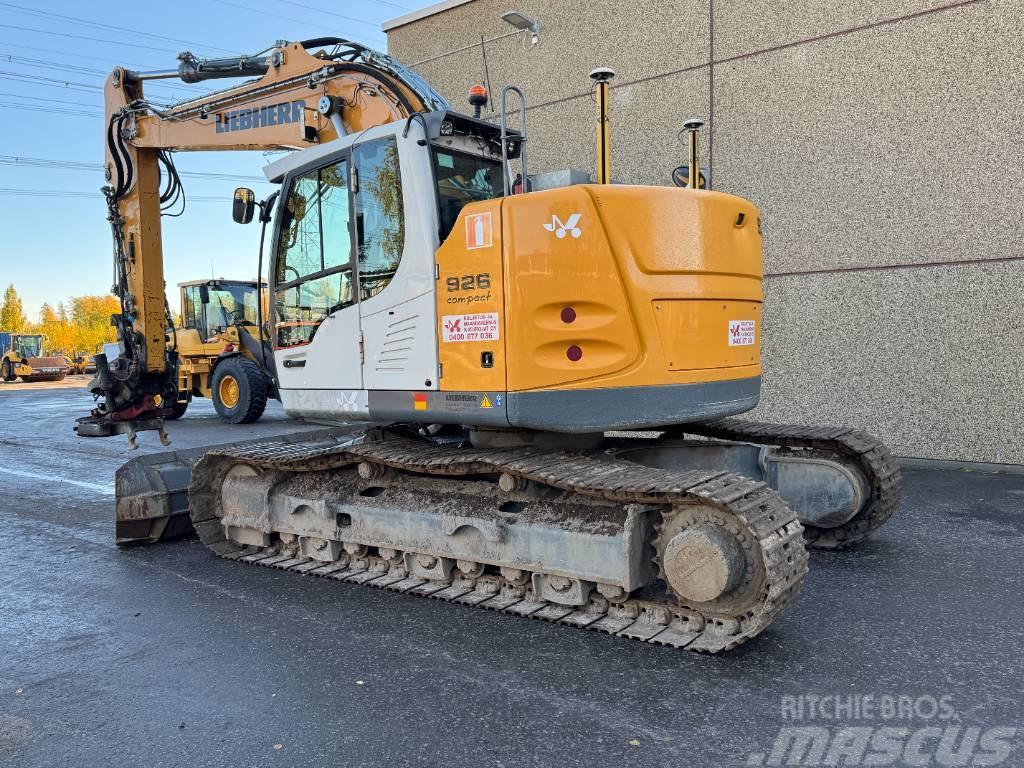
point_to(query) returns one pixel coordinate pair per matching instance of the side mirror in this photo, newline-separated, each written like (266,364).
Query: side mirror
(681,177)
(204,294)
(243,205)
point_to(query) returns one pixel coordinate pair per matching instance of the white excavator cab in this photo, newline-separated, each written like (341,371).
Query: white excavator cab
(352,269)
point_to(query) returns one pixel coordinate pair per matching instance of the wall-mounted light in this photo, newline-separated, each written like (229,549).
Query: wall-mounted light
(522,21)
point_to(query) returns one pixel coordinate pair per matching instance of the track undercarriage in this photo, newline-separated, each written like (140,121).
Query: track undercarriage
(639,538)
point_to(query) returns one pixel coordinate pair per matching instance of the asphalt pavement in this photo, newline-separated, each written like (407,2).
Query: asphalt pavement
(168,656)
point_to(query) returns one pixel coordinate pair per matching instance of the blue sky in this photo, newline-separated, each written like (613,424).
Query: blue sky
(53,247)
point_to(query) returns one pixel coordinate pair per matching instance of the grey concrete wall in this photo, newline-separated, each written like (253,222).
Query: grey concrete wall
(880,139)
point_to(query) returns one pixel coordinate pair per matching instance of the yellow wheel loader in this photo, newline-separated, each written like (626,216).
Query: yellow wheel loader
(222,354)
(549,375)
(81,363)
(23,355)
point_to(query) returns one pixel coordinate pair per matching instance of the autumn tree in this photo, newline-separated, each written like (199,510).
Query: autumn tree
(81,324)
(90,316)
(12,313)
(61,334)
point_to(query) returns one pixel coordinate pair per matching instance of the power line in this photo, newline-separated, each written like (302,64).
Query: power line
(78,194)
(278,16)
(46,100)
(40,162)
(374,24)
(52,110)
(14,59)
(47,64)
(90,39)
(104,59)
(112,27)
(21,77)
(79,165)
(393,5)
(67,85)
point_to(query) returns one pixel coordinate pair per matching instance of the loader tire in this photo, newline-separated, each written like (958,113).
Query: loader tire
(8,371)
(179,410)
(239,391)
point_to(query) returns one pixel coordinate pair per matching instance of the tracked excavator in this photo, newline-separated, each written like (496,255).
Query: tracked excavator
(548,379)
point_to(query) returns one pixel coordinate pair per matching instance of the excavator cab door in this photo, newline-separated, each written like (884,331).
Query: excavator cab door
(315,312)
(353,283)
(395,215)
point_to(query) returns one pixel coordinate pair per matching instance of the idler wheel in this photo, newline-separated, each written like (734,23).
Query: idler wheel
(703,562)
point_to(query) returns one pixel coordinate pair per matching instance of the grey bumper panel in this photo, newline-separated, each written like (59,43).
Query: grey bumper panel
(486,409)
(595,410)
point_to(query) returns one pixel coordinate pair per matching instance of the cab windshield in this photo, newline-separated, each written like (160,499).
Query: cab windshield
(227,304)
(463,178)
(230,305)
(29,346)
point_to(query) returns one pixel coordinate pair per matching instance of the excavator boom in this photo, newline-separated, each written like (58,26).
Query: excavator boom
(300,98)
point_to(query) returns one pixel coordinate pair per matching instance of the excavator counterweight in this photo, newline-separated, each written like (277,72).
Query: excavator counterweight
(548,377)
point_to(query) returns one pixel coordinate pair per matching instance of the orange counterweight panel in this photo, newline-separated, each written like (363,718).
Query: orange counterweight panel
(618,286)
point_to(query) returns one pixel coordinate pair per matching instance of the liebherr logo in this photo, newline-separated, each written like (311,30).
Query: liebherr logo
(260,117)
(569,226)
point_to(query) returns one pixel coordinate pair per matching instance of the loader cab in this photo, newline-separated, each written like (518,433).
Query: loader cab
(28,345)
(210,307)
(352,270)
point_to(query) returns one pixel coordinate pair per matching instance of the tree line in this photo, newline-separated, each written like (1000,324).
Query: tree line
(80,324)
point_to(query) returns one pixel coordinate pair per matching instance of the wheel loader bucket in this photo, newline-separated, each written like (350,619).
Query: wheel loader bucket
(152,490)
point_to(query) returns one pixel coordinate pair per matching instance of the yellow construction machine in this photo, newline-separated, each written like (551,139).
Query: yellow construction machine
(222,353)
(550,377)
(80,362)
(24,355)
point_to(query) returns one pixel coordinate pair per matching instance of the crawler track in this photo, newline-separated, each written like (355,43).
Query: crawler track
(873,458)
(772,536)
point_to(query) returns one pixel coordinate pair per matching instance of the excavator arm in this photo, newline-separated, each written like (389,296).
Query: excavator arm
(297,95)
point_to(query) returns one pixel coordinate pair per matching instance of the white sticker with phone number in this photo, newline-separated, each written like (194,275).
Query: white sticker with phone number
(482,326)
(741,333)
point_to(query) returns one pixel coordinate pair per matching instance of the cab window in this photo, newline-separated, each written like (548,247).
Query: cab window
(463,178)
(30,346)
(191,308)
(314,257)
(230,304)
(380,216)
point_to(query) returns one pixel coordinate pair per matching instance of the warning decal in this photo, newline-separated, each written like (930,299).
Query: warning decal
(741,333)
(479,327)
(485,402)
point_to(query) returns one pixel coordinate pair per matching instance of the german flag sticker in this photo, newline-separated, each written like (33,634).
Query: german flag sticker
(419,401)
